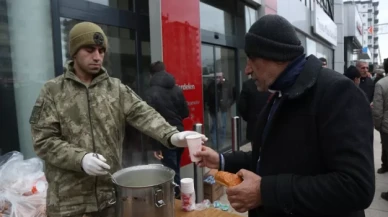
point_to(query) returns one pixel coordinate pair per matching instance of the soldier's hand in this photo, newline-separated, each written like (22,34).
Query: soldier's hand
(179,139)
(94,164)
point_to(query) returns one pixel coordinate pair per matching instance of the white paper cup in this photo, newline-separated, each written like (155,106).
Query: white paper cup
(187,185)
(194,143)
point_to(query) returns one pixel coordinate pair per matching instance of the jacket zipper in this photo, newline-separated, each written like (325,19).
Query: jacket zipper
(93,142)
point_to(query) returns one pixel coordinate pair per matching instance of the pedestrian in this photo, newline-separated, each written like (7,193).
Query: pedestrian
(353,74)
(379,74)
(219,101)
(313,149)
(250,103)
(324,61)
(167,98)
(78,124)
(366,82)
(380,116)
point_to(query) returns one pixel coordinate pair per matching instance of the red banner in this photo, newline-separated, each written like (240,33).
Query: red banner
(182,55)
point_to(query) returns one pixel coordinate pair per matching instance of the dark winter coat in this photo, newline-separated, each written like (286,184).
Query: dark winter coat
(249,105)
(167,99)
(368,86)
(317,157)
(219,97)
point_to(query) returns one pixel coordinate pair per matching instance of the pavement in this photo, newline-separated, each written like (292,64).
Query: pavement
(378,208)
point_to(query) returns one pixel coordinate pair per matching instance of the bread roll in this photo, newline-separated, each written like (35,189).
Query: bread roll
(227,179)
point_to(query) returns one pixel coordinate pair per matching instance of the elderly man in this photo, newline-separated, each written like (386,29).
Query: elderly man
(366,82)
(310,155)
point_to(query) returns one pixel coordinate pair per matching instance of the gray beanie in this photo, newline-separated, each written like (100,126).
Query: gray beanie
(272,37)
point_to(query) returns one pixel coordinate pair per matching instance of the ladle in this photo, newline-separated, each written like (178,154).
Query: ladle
(110,174)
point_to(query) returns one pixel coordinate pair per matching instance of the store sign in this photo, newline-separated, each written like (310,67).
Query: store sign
(182,56)
(324,26)
(359,27)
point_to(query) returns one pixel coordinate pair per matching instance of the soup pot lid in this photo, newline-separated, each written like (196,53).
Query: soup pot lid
(143,176)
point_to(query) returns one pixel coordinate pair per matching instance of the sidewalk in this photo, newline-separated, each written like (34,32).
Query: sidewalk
(379,207)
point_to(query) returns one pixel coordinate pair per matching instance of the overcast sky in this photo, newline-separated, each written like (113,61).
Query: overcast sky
(383,38)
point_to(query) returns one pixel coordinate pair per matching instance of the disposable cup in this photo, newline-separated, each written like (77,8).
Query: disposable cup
(187,185)
(194,142)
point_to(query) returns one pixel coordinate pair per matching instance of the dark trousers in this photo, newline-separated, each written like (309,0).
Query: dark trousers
(172,159)
(384,152)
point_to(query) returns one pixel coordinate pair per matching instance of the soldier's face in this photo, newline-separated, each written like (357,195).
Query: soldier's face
(89,59)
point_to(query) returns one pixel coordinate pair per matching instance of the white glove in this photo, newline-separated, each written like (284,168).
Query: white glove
(93,164)
(179,139)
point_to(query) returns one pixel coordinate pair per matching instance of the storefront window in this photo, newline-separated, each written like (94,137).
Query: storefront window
(119,4)
(121,62)
(216,20)
(320,50)
(302,39)
(250,17)
(326,52)
(26,63)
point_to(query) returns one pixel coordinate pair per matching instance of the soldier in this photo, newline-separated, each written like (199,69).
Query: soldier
(78,124)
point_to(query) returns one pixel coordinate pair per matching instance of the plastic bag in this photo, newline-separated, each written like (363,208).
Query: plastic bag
(23,186)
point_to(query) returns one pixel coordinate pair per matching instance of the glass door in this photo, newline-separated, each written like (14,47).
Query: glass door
(219,84)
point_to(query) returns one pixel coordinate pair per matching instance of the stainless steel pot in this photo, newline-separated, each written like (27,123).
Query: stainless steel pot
(145,191)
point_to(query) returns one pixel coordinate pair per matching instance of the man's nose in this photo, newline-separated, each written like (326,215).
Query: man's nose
(248,70)
(97,56)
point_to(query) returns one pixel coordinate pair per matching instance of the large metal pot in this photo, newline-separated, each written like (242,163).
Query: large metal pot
(145,191)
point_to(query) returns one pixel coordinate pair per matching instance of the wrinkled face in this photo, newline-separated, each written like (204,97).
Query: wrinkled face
(89,59)
(261,73)
(363,68)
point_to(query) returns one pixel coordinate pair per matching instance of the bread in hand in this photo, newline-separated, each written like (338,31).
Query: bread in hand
(227,179)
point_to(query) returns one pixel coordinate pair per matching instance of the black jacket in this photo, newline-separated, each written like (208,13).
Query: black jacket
(249,105)
(219,97)
(368,86)
(167,99)
(317,158)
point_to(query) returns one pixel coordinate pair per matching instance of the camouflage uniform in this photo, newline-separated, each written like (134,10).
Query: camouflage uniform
(70,119)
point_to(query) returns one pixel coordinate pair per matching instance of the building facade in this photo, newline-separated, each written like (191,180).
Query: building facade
(317,28)
(369,10)
(198,40)
(356,46)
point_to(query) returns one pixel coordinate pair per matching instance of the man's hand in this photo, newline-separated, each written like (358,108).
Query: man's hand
(158,155)
(210,158)
(247,195)
(179,139)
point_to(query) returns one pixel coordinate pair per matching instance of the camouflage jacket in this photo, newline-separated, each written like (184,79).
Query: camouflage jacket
(70,119)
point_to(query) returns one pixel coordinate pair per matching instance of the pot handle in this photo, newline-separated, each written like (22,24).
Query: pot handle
(158,198)
(175,185)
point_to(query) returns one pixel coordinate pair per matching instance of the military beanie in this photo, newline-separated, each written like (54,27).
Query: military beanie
(86,33)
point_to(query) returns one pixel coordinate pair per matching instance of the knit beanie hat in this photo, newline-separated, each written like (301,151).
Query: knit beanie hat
(272,37)
(86,33)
